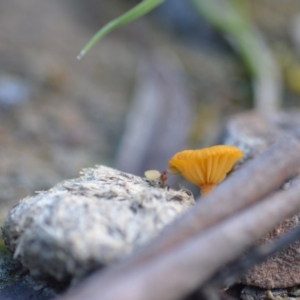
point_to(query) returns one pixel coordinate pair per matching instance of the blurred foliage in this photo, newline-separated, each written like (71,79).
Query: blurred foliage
(232,18)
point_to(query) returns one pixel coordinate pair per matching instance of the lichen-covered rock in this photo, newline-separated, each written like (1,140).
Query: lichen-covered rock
(85,223)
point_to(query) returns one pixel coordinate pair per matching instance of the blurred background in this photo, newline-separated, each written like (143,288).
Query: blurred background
(166,82)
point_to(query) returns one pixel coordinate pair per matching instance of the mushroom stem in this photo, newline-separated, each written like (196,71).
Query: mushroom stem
(206,188)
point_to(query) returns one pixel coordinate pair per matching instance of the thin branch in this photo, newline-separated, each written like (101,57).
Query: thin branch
(174,274)
(208,236)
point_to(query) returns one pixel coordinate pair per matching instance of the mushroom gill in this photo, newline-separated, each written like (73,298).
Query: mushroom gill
(205,167)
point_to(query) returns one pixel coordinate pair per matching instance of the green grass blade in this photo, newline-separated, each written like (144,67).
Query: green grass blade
(137,11)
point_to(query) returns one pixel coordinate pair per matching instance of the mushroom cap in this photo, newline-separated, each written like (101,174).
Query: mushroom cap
(205,166)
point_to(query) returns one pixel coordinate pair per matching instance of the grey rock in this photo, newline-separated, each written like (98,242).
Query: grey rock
(89,222)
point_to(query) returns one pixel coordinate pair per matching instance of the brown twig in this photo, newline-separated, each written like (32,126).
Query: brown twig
(261,176)
(190,250)
(174,274)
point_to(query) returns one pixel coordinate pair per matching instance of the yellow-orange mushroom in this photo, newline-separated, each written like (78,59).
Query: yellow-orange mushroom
(205,167)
